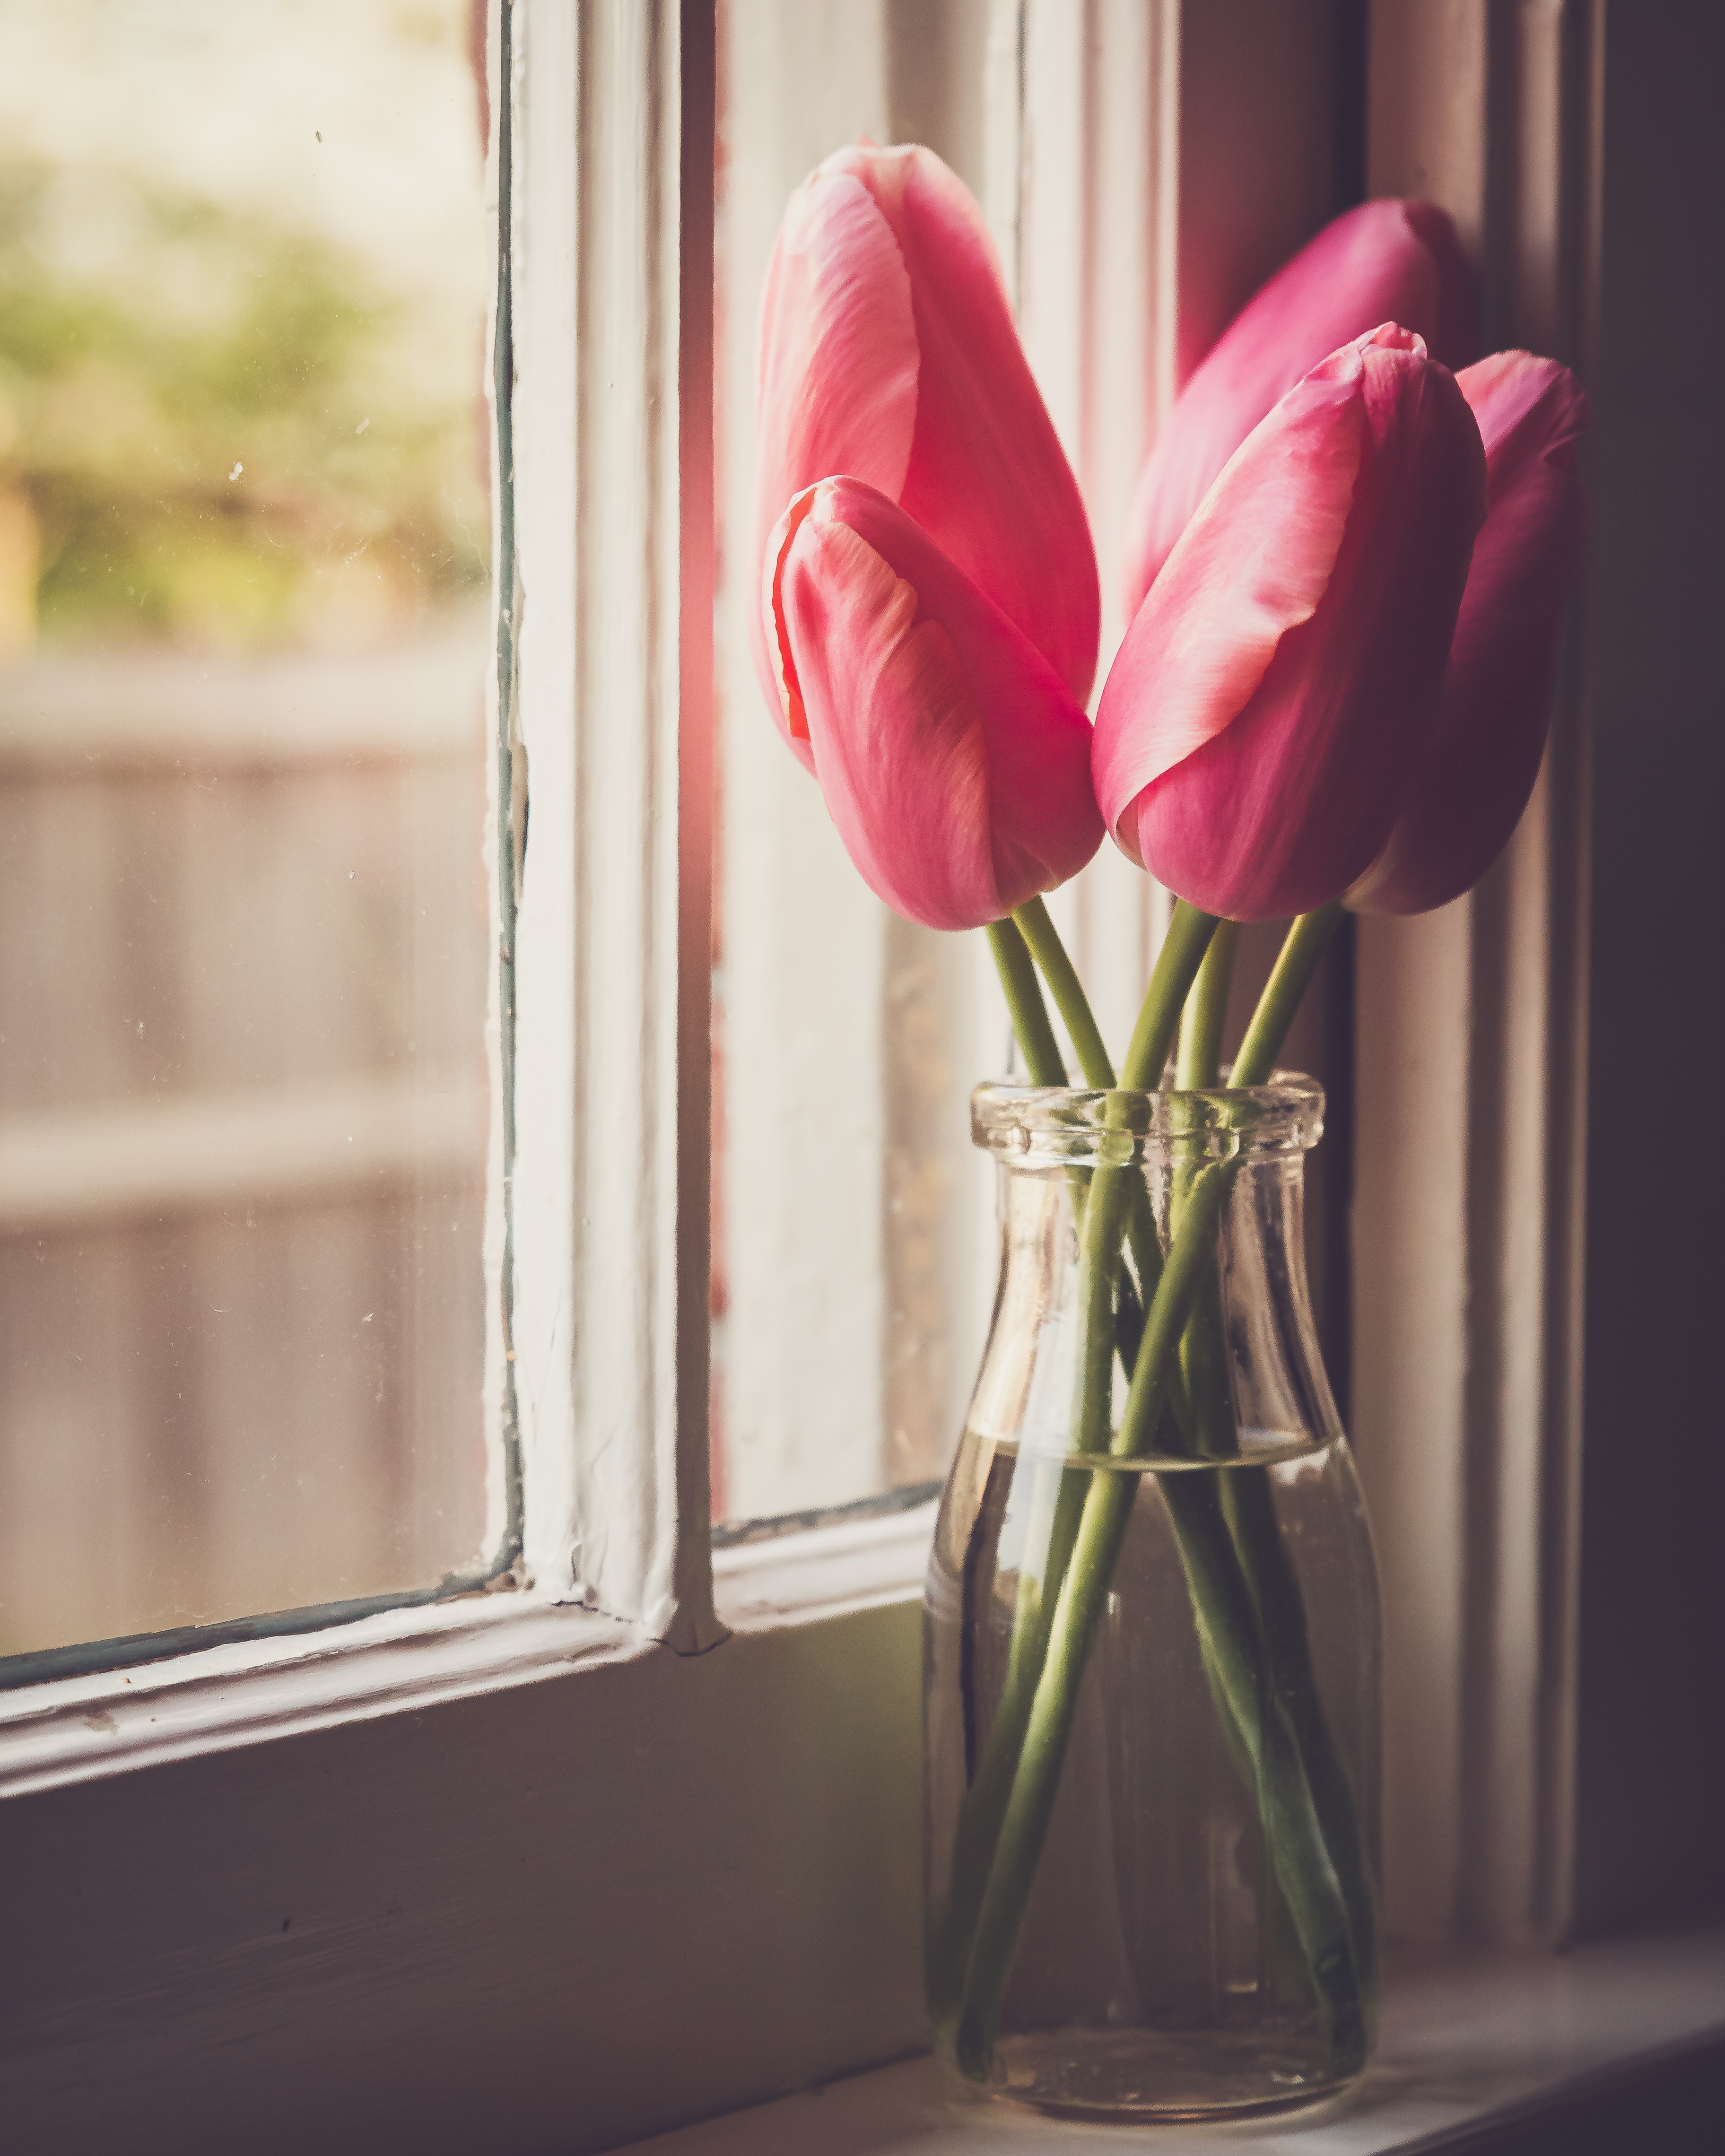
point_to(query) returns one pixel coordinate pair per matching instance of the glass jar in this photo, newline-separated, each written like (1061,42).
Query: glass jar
(1151,1659)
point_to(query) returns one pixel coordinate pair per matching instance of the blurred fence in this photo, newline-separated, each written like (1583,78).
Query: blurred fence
(242,1133)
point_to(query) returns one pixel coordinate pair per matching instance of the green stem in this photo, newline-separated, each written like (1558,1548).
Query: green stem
(1252,1512)
(1244,1598)
(1050,953)
(1200,1057)
(1236,1652)
(1046,948)
(1115,1197)
(1204,1352)
(1307,941)
(1035,1036)
(1250,1509)
(1177,963)
(1034,1033)
(1047,1549)
(1222,1603)
(1024,1001)
(1109,1205)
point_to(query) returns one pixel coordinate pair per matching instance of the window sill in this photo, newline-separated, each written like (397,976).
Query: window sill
(278,1884)
(404,1660)
(1500,2053)
(448,1852)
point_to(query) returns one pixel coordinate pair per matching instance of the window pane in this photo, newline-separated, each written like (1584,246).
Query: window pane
(852,1225)
(243,569)
(854,1245)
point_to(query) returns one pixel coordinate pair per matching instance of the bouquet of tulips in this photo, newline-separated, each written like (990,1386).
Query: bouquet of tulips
(1345,581)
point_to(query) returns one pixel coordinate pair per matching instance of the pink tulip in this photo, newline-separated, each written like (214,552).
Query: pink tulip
(888,351)
(1385,261)
(953,759)
(1256,738)
(1472,782)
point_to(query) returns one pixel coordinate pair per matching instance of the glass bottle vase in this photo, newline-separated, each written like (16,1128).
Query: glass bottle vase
(1151,1664)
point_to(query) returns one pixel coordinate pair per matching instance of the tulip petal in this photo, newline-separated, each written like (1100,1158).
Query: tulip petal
(1294,793)
(1045,825)
(1252,564)
(1384,261)
(1473,778)
(953,759)
(897,736)
(840,358)
(789,708)
(986,477)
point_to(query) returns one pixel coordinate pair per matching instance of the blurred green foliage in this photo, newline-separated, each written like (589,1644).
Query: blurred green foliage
(223,431)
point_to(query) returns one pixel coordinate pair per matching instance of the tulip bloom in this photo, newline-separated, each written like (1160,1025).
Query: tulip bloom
(888,352)
(953,759)
(1471,783)
(1385,261)
(1256,738)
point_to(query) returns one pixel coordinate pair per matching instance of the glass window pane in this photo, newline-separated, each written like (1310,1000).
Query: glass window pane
(243,629)
(854,1242)
(851,1224)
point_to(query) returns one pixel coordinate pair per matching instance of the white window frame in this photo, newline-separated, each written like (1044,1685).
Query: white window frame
(639,1840)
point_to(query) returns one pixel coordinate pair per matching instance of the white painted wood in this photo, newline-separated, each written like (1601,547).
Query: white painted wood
(499,1391)
(1256,169)
(1426,128)
(1129,133)
(1410,1374)
(1053,282)
(1004,135)
(544,1884)
(1410,1219)
(825,1572)
(1091,223)
(612,950)
(1411,1343)
(1471,1105)
(542,247)
(85,1728)
(218,1699)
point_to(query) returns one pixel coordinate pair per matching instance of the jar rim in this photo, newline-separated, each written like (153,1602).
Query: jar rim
(1041,1125)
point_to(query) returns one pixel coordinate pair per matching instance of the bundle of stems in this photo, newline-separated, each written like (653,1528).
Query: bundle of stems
(1165,1325)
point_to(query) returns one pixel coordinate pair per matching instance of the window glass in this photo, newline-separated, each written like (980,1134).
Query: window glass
(243,629)
(852,1225)
(854,1245)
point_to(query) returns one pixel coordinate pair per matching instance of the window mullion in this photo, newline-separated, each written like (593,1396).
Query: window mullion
(611,1167)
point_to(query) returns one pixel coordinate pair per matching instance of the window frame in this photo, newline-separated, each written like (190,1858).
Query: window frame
(448,1852)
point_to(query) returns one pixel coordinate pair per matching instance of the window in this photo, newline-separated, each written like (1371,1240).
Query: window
(846,1038)
(571,1863)
(243,1092)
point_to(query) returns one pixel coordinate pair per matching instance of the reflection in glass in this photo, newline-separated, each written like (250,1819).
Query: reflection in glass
(243,565)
